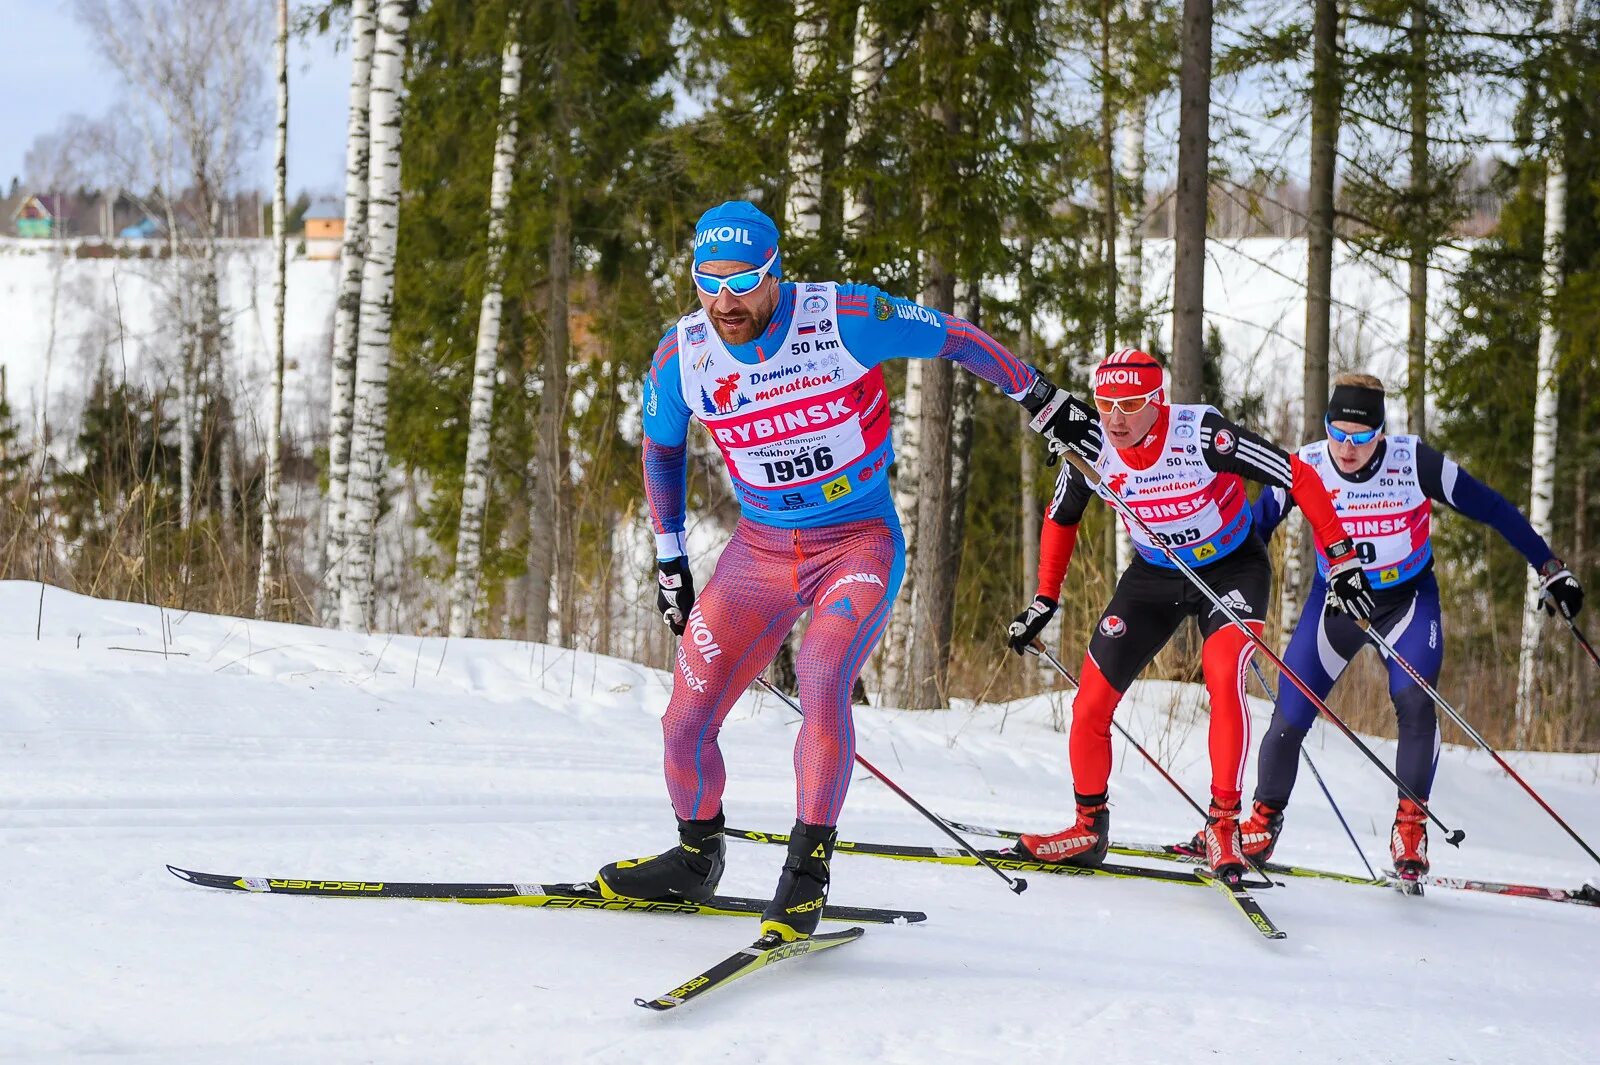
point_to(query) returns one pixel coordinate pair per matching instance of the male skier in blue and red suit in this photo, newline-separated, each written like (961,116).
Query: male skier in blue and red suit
(787,378)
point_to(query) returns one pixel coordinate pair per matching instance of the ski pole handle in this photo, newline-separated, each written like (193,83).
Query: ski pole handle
(1090,474)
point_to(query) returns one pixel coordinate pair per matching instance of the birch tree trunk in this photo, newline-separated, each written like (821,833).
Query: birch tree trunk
(1194,151)
(866,79)
(804,206)
(1421,243)
(475,483)
(368,459)
(347,311)
(1545,396)
(266,585)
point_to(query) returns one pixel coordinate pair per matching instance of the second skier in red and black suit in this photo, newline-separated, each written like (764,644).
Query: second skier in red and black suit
(1181,468)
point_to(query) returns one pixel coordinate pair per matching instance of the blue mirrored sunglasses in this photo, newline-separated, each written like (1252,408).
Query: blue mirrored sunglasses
(1339,436)
(740,284)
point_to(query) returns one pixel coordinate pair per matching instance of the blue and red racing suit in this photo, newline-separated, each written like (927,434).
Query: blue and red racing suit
(801,416)
(1387,506)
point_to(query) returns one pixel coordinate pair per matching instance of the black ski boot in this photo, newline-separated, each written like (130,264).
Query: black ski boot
(690,870)
(796,906)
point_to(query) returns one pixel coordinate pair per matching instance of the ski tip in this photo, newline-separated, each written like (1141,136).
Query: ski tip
(657,1004)
(181,874)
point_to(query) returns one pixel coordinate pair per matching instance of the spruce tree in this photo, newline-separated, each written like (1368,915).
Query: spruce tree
(1484,372)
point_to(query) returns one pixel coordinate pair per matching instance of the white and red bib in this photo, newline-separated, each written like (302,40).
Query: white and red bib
(1388,515)
(1201,515)
(802,430)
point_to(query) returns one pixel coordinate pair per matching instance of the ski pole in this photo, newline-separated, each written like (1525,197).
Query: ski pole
(1581,638)
(1016,883)
(1041,650)
(1262,677)
(1394,656)
(1453,836)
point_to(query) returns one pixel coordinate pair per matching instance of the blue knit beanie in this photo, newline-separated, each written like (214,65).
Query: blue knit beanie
(739,232)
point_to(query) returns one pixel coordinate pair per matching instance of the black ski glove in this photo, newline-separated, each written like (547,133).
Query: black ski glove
(1065,421)
(1559,589)
(674,592)
(1030,623)
(1349,591)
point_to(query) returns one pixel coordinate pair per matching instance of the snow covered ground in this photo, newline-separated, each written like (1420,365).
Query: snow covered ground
(132,737)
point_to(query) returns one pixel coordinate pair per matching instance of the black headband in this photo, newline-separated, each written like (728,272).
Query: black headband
(1357,403)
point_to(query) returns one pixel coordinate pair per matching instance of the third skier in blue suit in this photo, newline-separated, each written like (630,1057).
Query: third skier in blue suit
(1383,488)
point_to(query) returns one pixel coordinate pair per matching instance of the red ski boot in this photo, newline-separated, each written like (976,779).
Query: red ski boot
(1084,843)
(1408,845)
(1258,835)
(1224,852)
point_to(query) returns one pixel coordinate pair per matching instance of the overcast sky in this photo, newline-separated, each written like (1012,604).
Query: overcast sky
(49,69)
